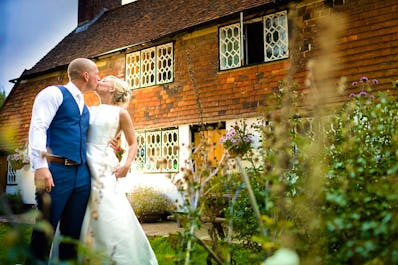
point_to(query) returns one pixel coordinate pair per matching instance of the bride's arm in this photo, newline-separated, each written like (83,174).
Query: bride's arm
(127,127)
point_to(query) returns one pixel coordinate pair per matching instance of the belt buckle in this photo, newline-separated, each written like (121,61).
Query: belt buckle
(69,162)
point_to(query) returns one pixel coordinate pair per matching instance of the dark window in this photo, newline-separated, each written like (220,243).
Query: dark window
(254,43)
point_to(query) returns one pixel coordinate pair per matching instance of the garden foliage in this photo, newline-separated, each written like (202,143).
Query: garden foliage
(361,188)
(324,185)
(149,204)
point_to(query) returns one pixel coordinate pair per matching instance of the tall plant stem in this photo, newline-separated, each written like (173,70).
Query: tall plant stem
(195,201)
(250,192)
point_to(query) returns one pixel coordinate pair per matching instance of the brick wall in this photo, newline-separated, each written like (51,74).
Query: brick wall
(15,114)
(200,91)
(368,47)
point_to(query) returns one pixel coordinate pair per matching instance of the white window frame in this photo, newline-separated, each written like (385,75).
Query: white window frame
(148,67)
(164,63)
(11,175)
(231,44)
(133,66)
(151,66)
(158,151)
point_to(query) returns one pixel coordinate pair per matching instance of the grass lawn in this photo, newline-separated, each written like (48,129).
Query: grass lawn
(166,254)
(14,241)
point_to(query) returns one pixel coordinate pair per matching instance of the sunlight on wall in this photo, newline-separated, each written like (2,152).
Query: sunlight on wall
(125,2)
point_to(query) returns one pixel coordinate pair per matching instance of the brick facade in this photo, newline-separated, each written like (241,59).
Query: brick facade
(201,92)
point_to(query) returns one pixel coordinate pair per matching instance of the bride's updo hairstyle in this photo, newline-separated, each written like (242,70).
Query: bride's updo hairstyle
(122,91)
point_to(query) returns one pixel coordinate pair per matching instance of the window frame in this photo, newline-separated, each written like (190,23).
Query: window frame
(150,66)
(166,160)
(280,40)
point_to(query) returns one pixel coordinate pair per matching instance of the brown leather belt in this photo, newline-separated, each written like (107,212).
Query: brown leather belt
(61,160)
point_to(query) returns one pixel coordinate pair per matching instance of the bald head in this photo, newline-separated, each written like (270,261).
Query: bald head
(83,73)
(78,66)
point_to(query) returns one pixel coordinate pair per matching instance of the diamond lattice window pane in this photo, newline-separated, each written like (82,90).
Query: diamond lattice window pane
(230,46)
(165,63)
(158,151)
(276,36)
(133,69)
(148,67)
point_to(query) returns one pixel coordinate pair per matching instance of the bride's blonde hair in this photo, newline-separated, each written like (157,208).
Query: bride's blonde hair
(121,95)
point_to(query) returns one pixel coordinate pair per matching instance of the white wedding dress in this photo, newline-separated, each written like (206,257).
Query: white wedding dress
(110,224)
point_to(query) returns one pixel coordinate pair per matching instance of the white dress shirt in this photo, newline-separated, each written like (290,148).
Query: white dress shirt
(45,107)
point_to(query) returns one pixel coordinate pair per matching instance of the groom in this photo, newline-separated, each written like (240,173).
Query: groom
(57,136)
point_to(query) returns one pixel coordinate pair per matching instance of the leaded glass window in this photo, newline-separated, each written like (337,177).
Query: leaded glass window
(133,69)
(150,66)
(230,46)
(276,36)
(158,151)
(265,39)
(165,63)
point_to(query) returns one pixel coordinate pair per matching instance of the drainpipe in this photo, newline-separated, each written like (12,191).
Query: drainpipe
(241,39)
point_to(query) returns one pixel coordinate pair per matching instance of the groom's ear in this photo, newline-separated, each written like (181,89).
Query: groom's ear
(85,76)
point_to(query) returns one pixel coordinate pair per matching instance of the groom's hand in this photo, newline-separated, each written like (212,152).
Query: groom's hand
(43,179)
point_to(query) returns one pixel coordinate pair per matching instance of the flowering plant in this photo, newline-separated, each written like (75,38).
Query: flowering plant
(237,140)
(149,204)
(365,85)
(19,158)
(119,153)
(361,164)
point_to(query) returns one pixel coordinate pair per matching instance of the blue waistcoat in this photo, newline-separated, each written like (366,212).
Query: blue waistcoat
(67,134)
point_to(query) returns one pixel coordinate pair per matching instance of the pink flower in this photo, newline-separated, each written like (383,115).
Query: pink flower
(364,79)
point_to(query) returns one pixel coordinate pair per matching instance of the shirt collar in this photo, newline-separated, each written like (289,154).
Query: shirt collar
(73,89)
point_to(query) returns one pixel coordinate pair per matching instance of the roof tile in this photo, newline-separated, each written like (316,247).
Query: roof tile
(139,22)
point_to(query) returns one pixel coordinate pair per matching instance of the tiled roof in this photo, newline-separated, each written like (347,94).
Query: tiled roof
(138,22)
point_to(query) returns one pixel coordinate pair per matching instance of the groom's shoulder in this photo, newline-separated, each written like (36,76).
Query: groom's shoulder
(49,92)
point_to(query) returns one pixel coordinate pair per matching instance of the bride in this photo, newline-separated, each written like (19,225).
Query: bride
(110,225)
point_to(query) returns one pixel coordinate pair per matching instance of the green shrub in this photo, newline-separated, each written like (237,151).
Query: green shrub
(15,240)
(333,200)
(361,190)
(240,210)
(13,203)
(149,204)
